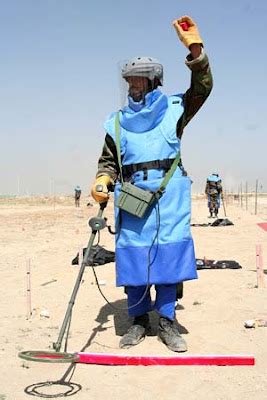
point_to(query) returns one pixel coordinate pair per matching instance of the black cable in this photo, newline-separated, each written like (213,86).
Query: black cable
(148,268)
(98,238)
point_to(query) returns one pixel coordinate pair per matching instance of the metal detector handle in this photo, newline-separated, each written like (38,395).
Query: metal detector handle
(99,188)
(67,317)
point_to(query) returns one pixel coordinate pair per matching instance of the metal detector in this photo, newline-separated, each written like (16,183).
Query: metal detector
(224,209)
(96,223)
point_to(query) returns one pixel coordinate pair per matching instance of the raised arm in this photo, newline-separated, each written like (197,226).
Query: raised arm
(197,61)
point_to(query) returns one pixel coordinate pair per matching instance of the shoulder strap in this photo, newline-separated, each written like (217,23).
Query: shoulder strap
(118,142)
(169,173)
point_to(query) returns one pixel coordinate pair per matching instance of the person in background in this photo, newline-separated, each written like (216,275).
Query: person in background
(157,249)
(214,193)
(77,195)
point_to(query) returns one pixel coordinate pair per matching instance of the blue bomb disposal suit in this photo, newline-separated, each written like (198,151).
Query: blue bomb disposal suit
(156,249)
(145,135)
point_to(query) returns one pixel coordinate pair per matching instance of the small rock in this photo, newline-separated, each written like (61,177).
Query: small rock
(45,313)
(250,323)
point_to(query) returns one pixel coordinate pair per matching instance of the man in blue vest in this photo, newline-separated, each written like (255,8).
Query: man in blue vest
(157,249)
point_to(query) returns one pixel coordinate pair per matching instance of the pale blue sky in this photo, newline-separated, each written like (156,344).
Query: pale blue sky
(59,80)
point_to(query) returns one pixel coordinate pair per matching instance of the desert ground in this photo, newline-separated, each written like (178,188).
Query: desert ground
(45,234)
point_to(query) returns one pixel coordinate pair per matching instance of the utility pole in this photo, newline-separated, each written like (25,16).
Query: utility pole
(256,197)
(246,196)
(18,185)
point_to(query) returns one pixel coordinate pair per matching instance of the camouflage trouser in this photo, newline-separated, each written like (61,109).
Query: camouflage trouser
(213,201)
(77,201)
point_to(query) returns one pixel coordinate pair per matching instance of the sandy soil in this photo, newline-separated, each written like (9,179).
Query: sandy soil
(212,312)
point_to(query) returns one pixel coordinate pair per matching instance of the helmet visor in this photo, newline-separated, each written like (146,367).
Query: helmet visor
(138,76)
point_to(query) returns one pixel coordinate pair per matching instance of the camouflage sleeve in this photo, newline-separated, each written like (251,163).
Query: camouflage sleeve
(207,188)
(108,161)
(200,88)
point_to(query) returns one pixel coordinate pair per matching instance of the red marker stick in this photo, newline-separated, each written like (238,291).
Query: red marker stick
(184,26)
(123,359)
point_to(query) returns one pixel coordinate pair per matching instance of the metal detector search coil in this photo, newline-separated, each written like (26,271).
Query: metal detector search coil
(49,356)
(134,200)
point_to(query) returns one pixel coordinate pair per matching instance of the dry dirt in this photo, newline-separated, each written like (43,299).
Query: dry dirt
(47,233)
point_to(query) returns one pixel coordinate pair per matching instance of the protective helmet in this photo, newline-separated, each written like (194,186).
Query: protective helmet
(147,67)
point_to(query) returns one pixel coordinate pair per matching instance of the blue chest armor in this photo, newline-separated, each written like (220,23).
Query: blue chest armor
(162,239)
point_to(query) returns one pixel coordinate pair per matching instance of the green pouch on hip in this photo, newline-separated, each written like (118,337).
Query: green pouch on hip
(134,200)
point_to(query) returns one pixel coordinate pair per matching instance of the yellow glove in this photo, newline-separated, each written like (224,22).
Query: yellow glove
(99,189)
(189,36)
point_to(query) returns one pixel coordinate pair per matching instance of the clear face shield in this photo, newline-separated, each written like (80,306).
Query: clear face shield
(139,76)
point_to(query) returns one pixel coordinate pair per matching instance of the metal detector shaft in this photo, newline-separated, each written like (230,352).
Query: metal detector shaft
(224,207)
(66,320)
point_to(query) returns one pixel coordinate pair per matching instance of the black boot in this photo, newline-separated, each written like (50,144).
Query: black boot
(136,333)
(169,334)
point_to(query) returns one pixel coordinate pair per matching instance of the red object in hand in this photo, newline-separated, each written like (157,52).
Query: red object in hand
(184,26)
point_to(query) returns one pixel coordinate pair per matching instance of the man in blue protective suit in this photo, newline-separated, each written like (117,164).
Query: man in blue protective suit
(157,249)
(214,193)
